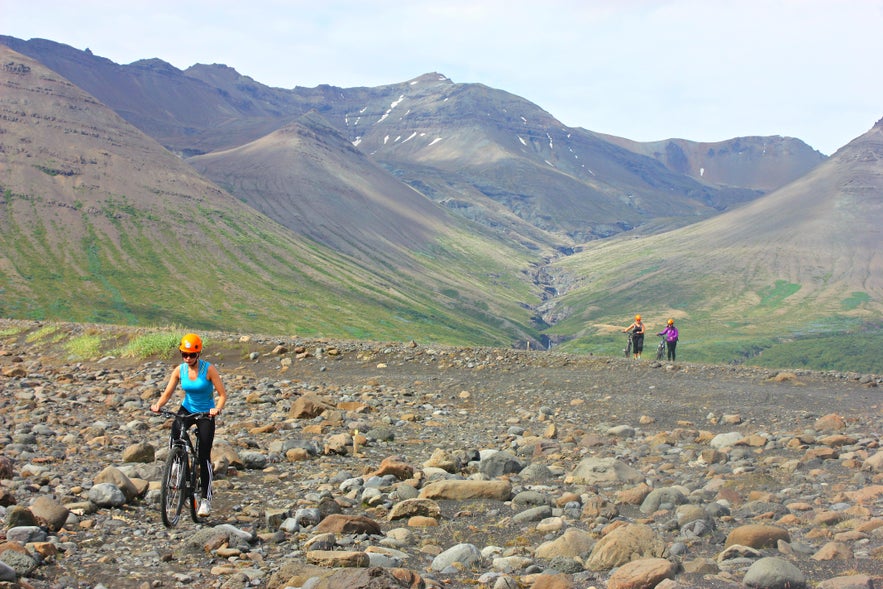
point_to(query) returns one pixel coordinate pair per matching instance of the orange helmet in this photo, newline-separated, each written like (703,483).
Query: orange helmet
(637,317)
(671,321)
(190,343)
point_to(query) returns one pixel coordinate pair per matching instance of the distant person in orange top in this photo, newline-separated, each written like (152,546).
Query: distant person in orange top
(637,329)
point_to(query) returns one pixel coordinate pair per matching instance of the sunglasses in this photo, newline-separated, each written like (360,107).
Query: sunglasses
(189,354)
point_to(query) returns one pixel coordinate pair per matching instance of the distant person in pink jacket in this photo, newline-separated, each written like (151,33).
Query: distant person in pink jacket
(671,339)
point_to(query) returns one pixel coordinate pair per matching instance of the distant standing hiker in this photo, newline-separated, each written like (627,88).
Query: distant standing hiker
(637,329)
(671,339)
(199,380)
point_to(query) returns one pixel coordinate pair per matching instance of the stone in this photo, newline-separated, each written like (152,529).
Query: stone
(464,554)
(348,524)
(572,543)
(774,573)
(49,512)
(460,490)
(756,536)
(623,545)
(592,471)
(646,572)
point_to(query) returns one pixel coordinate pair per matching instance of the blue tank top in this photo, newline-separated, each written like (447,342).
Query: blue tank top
(199,393)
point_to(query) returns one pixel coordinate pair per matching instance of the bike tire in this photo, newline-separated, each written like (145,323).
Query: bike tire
(173,489)
(195,492)
(628,348)
(660,350)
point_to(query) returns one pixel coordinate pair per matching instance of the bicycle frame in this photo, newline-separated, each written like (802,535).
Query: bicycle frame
(660,349)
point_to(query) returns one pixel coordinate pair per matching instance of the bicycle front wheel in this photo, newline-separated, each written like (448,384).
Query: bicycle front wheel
(195,491)
(173,491)
(660,351)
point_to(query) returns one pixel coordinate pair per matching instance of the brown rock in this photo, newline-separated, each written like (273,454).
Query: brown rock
(308,406)
(459,490)
(369,578)
(634,495)
(49,512)
(623,545)
(15,372)
(833,551)
(395,466)
(830,422)
(642,574)
(338,523)
(874,463)
(572,543)
(6,468)
(413,507)
(556,581)
(113,475)
(442,459)
(848,582)
(6,497)
(140,452)
(338,558)
(757,536)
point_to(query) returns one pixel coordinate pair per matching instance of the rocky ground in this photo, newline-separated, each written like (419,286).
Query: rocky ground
(345,464)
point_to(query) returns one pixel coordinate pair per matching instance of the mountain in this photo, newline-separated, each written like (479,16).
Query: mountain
(99,223)
(758,163)
(803,260)
(487,155)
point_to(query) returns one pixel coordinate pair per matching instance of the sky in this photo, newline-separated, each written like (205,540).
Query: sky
(646,70)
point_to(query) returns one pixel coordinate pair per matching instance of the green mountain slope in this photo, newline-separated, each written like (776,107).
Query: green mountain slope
(98,223)
(802,262)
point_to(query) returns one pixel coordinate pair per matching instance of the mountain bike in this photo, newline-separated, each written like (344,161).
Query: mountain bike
(660,349)
(180,478)
(628,346)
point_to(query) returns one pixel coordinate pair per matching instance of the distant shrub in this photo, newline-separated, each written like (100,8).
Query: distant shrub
(84,347)
(151,344)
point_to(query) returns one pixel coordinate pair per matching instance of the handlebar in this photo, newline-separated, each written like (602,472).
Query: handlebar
(173,415)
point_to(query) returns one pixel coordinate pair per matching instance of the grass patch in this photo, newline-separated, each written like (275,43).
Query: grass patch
(11,331)
(847,352)
(47,334)
(774,295)
(84,347)
(152,344)
(855,300)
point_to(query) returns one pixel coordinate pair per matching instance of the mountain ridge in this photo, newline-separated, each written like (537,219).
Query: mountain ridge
(212,107)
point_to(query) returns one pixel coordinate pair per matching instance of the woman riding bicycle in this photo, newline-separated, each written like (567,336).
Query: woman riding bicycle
(199,380)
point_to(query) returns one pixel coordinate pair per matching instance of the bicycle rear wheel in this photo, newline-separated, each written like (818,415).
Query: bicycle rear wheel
(173,488)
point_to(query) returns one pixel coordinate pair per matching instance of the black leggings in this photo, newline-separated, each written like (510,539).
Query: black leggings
(670,348)
(205,431)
